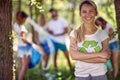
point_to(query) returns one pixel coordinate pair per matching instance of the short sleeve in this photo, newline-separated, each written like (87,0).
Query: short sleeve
(110,26)
(15,27)
(23,29)
(104,35)
(72,34)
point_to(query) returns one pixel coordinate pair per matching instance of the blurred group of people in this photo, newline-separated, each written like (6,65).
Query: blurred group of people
(49,36)
(90,46)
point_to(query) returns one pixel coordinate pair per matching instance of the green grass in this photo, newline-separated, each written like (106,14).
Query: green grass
(51,74)
(63,72)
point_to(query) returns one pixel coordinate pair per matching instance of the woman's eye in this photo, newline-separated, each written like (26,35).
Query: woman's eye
(84,11)
(92,11)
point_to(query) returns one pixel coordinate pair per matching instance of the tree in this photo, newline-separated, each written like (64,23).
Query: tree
(52,4)
(6,59)
(73,7)
(117,8)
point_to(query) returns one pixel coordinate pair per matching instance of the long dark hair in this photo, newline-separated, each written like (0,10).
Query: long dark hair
(103,21)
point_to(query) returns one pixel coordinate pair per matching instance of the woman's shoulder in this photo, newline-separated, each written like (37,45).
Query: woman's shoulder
(101,31)
(15,26)
(109,25)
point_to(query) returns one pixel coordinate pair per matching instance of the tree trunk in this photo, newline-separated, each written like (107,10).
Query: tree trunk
(117,9)
(6,59)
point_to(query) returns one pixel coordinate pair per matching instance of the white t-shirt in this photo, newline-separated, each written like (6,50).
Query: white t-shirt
(108,26)
(57,27)
(18,29)
(41,32)
(92,43)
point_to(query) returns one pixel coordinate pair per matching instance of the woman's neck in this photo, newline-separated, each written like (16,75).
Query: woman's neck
(18,22)
(89,28)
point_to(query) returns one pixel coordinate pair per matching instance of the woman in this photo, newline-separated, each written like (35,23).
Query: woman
(23,45)
(43,39)
(113,42)
(89,46)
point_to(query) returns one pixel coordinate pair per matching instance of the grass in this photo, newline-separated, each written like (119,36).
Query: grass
(51,74)
(63,72)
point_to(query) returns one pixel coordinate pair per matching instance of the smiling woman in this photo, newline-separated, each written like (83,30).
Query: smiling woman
(89,46)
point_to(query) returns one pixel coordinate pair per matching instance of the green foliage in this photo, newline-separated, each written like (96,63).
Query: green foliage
(37,4)
(64,7)
(106,10)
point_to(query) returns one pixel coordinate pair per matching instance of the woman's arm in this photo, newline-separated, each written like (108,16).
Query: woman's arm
(36,38)
(111,33)
(87,57)
(23,37)
(37,27)
(95,60)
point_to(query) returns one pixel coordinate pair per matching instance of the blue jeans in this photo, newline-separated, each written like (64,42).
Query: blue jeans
(114,46)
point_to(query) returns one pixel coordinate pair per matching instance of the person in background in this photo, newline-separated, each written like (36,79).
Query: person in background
(113,42)
(89,45)
(23,52)
(44,40)
(58,28)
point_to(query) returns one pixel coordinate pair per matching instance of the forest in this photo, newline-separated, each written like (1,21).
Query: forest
(68,9)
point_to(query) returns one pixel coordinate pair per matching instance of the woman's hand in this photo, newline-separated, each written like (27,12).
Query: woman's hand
(105,54)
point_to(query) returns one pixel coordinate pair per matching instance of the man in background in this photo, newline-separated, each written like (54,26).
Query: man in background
(58,28)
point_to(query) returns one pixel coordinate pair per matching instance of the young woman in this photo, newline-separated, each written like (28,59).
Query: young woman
(23,45)
(89,46)
(113,42)
(43,39)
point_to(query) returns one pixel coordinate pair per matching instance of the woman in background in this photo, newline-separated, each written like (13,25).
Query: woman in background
(43,39)
(24,52)
(113,42)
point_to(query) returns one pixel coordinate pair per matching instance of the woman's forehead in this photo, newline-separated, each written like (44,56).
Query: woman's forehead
(87,6)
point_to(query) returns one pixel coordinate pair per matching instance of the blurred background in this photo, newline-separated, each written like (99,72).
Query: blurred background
(67,9)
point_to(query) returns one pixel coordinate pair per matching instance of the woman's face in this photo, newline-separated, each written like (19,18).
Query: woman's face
(88,13)
(99,23)
(21,20)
